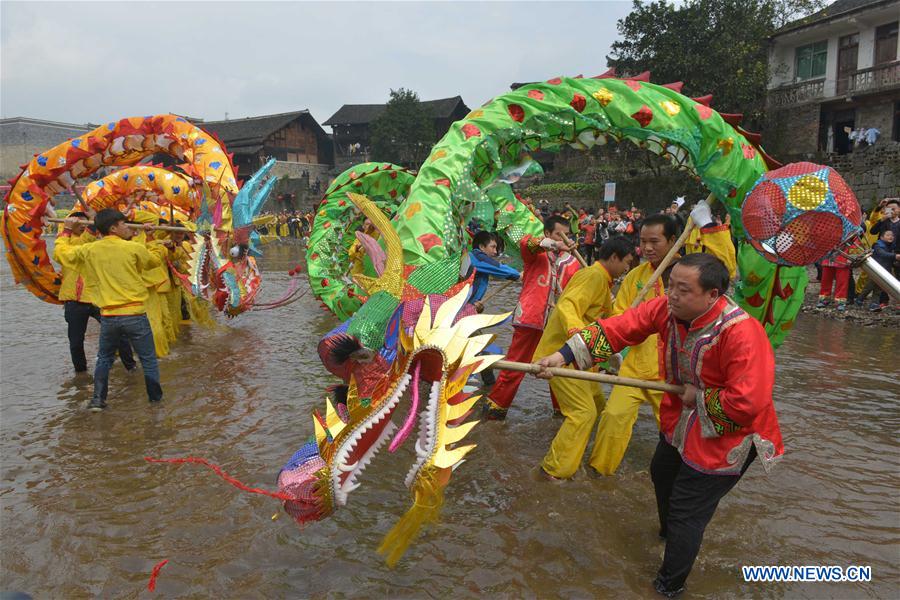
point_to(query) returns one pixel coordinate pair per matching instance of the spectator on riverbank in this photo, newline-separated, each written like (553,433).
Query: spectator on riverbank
(884,252)
(586,239)
(835,271)
(890,218)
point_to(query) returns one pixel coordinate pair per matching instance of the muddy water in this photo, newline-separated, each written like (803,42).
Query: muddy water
(83,514)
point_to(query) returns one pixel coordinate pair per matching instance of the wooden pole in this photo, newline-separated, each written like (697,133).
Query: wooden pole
(84,204)
(497,290)
(590,376)
(689,228)
(134,225)
(576,253)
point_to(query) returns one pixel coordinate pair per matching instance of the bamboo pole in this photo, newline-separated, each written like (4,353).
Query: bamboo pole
(689,228)
(134,225)
(497,290)
(590,376)
(576,253)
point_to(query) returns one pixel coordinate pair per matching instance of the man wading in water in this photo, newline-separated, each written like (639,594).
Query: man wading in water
(113,269)
(725,418)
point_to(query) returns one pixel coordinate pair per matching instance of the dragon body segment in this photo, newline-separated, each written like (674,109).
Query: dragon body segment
(205,190)
(335,261)
(142,185)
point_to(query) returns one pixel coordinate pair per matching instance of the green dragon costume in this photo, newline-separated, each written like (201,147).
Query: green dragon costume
(405,314)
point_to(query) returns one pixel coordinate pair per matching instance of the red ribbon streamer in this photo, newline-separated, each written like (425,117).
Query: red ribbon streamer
(218,471)
(151,585)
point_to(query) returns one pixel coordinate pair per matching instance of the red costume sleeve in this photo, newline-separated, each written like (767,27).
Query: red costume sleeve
(635,325)
(528,247)
(748,367)
(598,341)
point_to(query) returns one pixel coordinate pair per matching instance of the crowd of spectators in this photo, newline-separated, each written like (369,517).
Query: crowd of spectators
(285,224)
(592,227)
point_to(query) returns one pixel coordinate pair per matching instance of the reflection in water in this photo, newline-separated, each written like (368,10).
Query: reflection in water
(84,515)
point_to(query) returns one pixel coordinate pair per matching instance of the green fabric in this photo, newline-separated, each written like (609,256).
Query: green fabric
(770,293)
(461,180)
(547,115)
(370,324)
(335,226)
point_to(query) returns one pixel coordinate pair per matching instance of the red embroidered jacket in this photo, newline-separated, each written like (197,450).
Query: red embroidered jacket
(725,353)
(544,275)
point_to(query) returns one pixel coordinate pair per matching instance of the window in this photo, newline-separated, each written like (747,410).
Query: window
(811,59)
(849,40)
(886,43)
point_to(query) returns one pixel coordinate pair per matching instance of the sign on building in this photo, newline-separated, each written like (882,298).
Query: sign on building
(609,192)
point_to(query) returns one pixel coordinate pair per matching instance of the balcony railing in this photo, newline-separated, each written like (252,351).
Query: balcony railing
(798,93)
(873,79)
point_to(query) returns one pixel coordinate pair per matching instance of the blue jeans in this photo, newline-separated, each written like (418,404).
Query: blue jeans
(77,315)
(137,329)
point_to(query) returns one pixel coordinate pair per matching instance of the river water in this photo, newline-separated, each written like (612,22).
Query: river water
(83,515)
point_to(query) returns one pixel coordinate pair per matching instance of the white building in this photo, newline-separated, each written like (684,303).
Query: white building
(835,72)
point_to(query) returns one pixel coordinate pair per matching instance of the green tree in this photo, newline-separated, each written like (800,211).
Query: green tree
(404,132)
(717,47)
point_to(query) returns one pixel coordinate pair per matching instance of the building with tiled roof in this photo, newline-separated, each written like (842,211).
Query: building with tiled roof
(834,73)
(350,124)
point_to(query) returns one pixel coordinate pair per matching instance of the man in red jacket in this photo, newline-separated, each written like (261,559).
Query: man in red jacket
(724,419)
(548,266)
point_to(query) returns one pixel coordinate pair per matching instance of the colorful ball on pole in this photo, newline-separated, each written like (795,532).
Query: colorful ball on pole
(800,214)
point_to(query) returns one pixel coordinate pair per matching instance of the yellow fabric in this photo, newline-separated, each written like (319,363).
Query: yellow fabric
(158,276)
(715,241)
(616,423)
(179,258)
(586,297)
(869,239)
(142,215)
(159,287)
(642,361)
(201,312)
(580,403)
(113,270)
(173,302)
(158,315)
(73,285)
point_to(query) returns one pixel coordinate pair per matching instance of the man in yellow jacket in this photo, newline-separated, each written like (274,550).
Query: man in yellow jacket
(658,234)
(587,297)
(78,305)
(113,269)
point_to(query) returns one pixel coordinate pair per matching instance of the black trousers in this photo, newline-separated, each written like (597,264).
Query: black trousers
(686,500)
(77,315)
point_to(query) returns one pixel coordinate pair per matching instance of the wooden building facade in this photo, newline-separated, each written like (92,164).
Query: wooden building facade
(293,137)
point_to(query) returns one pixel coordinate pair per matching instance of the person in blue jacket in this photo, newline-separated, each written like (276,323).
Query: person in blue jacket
(483,259)
(885,253)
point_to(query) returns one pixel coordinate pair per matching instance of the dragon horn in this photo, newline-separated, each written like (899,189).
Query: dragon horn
(391,280)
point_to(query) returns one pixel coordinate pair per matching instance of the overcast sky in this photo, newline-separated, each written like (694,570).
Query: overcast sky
(94,61)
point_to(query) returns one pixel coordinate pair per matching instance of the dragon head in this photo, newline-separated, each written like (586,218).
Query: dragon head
(223,261)
(395,345)
(435,353)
